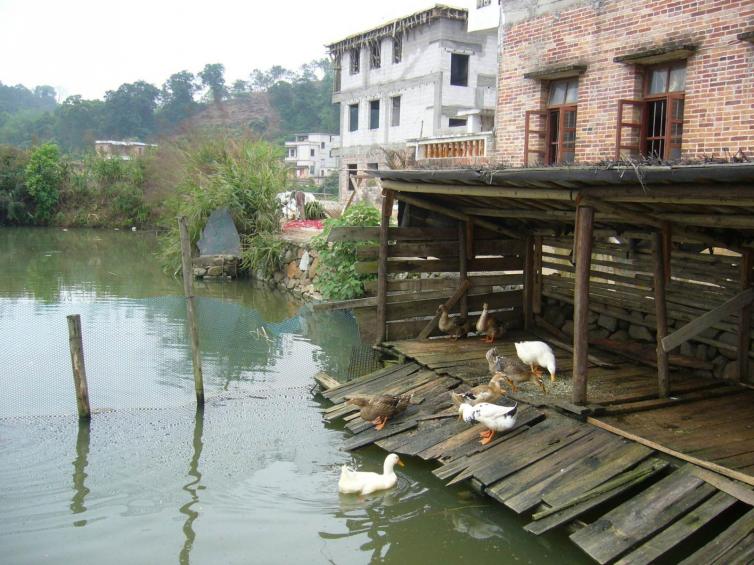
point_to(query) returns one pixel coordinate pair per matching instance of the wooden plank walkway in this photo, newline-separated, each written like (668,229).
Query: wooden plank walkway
(640,504)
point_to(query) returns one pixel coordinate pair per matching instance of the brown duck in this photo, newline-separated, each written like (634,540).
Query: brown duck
(489,326)
(455,327)
(379,409)
(485,392)
(516,372)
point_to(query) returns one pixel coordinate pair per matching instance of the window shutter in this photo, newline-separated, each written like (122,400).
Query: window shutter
(537,146)
(632,142)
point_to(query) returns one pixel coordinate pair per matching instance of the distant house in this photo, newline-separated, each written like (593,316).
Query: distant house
(422,85)
(310,156)
(124,150)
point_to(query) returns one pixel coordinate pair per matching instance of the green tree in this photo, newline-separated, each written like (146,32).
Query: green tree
(78,123)
(178,102)
(15,202)
(214,81)
(44,174)
(130,110)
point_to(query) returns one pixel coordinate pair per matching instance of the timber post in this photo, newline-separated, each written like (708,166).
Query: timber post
(387,212)
(463,265)
(744,319)
(529,283)
(188,291)
(76,344)
(661,261)
(583,240)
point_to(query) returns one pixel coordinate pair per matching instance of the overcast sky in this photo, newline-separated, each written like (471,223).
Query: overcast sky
(89,46)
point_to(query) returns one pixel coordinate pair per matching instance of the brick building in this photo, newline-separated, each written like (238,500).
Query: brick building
(678,75)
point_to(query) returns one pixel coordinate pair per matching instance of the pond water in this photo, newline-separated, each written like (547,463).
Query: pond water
(251,478)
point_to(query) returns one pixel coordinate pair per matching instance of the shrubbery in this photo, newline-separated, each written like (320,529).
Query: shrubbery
(338,279)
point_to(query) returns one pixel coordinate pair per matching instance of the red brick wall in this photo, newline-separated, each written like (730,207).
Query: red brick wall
(719,108)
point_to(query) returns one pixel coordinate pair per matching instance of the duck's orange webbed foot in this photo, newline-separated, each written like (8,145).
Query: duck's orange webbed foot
(380,422)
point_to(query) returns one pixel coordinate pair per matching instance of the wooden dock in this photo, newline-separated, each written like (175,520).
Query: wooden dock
(635,477)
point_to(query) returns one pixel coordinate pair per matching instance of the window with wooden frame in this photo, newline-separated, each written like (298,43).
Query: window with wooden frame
(555,127)
(655,123)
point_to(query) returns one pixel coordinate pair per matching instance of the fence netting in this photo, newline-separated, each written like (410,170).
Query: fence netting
(137,352)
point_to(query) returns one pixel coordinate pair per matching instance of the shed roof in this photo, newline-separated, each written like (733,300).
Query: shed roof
(707,203)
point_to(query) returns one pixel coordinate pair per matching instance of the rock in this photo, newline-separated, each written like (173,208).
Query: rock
(292,271)
(599,333)
(730,339)
(730,372)
(288,256)
(607,322)
(718,366)
(215,272)
(623,324)
(277,277)
(593,317)
(290,284)
(640,333)
(620,335)
(554,315)
(199,271)
(687,348)
(651,319)
(567,327)
(300,252)
(313,268)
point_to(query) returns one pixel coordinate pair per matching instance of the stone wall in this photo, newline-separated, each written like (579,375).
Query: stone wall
(723,360)
(292,277)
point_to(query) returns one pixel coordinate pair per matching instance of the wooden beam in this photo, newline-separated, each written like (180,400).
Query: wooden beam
(463,265)
(695,327)
(482,190)
(451,213)
(744,317)
(529,277)
(387,212)
(743,477)
(432,324)
(661,314)
(537,298)
(584,226)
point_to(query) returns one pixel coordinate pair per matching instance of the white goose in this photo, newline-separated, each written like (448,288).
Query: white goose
(492,416)
(537,354)
(363,482)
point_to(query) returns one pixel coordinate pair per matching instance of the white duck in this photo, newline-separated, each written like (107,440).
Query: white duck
(492,416)
(537,354)
(362,482)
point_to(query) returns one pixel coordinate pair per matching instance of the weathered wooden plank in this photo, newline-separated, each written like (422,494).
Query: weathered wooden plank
(679,531)
(607,461)
(408,329)
(371,435)
(740,554)
(703,322)
(427,307)
(484,264)
(735,489)
(619,530)
(325,381)
(718,547)
(350,233)
(422,285)
(449,304)
(653,465)
(338,394)
(655,403)
(545,469)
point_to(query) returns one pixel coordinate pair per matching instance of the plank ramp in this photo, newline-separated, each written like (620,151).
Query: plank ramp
(641,506)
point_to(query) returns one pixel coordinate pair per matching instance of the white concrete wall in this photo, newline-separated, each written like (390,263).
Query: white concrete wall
(322,159)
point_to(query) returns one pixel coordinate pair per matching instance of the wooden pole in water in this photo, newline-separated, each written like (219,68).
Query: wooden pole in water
(387,212)
(77,362)
(583,247)
(661,313)
(188,291)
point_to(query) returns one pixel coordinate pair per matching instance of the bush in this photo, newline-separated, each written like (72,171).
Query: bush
(263,254)
(338,279)
(314,210)
(44,175)
(243,176)
(15,201)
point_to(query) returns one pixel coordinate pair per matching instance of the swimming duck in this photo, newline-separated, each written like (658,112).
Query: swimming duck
(455,327)
(486,392)
(515,373)
(379,408)
(365,482)
(490,326)
(492,416)
(537,354)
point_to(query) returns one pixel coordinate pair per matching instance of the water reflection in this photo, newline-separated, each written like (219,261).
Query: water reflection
(192,487)
(80,489)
